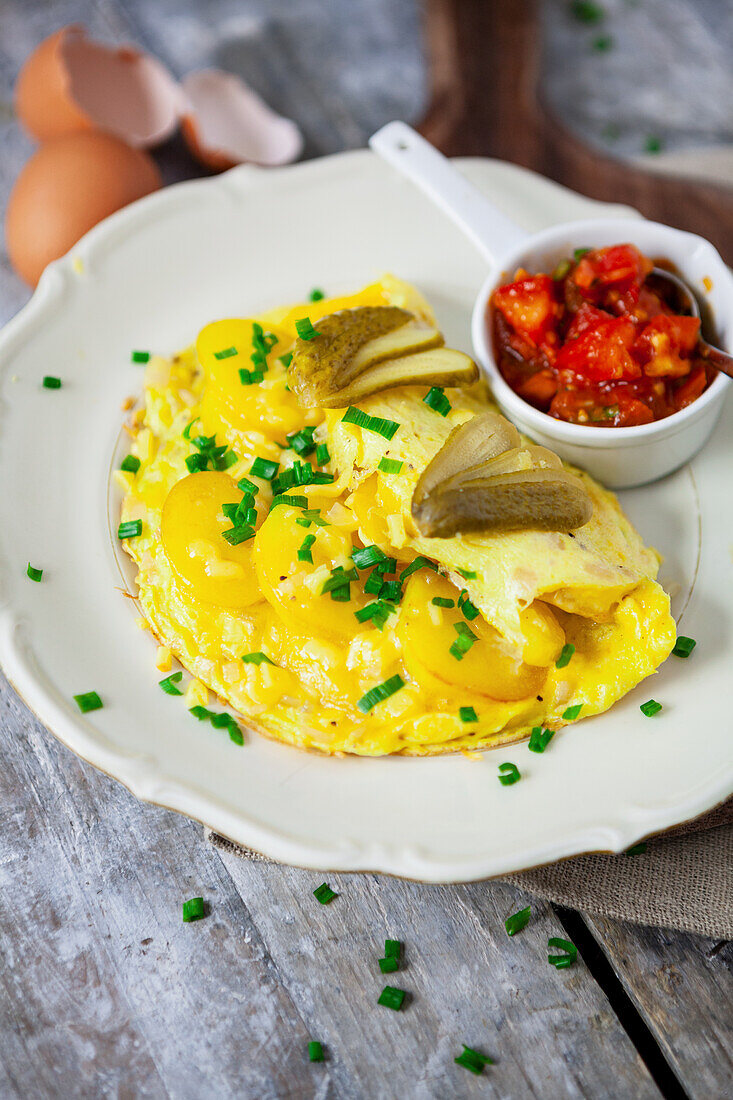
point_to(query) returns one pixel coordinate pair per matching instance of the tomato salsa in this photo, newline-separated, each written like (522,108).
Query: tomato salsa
(597,342)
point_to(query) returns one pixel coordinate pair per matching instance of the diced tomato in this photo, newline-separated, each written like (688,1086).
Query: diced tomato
(602,352)
(691,388)
(529,306)
(539,388)
(612,276)
(649,305)
(586,317)
(665,345)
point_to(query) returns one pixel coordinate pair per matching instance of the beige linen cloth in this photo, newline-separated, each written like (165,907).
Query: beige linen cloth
(684,879)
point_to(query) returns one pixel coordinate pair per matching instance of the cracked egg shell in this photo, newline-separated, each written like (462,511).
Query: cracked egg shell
(71,83)
(226,123)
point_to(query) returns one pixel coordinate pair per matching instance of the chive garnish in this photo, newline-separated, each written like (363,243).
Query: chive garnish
(518,921)
(187,430)
(236,535)
(140,356)
(226,353)
(561,962)
(377,424)
(196,463)
(366,556)
(390,466)
(463,642)
(579,253)
(467,714)
(305,329)
(304,552)
(389,965)
(257,658)
(470,611)
(539,739)
(315,1051)
(683,647)
(391,997)
(324,893)
(650,708)
(323,455)
(653,144)
(572,713)
(392,949)
(130,530)
(292,501)
(378,612)
(472,1060)
(420,562)
(250,377)
(467,574)
(565,654)
(302,442)
(219,721)
(373,583)
(339,578)
(169,684)
(636,849)
(286,359)
(51,383)
(264,468)
(441,601)
(248,487)
(436,400)
(130,464)
(88,700)
(586,11)
(316,295)
(379,693)
(33,573)
(509,774)
(603,43)
(193,909)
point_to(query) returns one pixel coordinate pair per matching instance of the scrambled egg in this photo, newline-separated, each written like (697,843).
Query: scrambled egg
(252,622)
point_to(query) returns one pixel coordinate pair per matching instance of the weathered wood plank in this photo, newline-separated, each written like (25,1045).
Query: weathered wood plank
(551,1032)
(683,988)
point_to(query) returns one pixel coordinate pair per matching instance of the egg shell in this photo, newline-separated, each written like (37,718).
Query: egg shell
(72,82)
(225,123)
(66,187)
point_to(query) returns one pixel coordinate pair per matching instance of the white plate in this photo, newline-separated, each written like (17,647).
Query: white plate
(150,277)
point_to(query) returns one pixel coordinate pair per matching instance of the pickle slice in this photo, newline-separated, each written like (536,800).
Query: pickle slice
(478,440)
(437,367)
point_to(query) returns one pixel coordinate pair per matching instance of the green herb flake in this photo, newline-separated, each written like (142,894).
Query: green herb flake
(468,574)
(264,468)
(290,500)
(379,693)
(572,713)
(226,353)
(193,909)
(650,708)
(305,329)
(420,562)
(539,739)
(323,455)
(315,1051)
(130,530)
(467,714)
(579,253)
(169,683)
(130,464)
(50,382)
(286,359)
(140,356)
(366,556)
(565,654)
(586,11)
(463,642)
(324,893)
(389,965)
(436,400)
(88,700)
(441,601)
(392,998)
(471,1059)
(509,774)
(561,962)
(518,921)
(603,43)
(257,658)
(302,442)
(377,424)
(653,144)
(33,573)
(219,721)
(392,949)
(304,551)
(683,647)
(316,295)
(236,535)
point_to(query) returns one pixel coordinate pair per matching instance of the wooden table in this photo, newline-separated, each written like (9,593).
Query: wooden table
(105,992)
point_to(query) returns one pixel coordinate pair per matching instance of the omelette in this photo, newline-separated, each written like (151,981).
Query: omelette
(279,558)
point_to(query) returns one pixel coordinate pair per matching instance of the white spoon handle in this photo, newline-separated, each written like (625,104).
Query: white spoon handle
(420,162)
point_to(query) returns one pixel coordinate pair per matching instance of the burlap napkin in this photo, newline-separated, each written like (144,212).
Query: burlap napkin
(684,879)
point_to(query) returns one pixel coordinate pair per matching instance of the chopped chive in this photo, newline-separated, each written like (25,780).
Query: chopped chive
(378,612)
(441,601)
(561,962)
(140,356)
(636,850)
(391,590)
(373,583)
(390,465)
(683,647)
(463,642)
(579,253)
(436,400)
(193,909)
(201,713)
(650,708)
(603,43)
(304,553)
(292,501)
(323,455)
(467,574)
(420,562)
(653,144)
(510,774)
(389,965)
(264,468)
(250,377)
(315,1051)
(379,693)
(539,739)
(565,654)
(518,921)
(472,1060)
(286,359)
(248,487)
(236,535)
(130,530)
(226,353)
(467,714)
(392,949)
(572,713)
(88,700)
(33,573)
(586,11)
(196,463)
(385,428)
(367,555)
(316,295)
(469,609)
(561,270)
(391,997)
(130,464)
(339,577)
(51,383)
(324,893)
(169,684)
(389,565)
(302,442)
(305,329)
(219,721)
(257,658)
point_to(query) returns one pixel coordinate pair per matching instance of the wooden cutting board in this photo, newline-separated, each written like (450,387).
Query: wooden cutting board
(486,101)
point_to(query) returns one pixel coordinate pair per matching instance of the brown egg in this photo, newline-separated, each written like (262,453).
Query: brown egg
(71,83)
(66,187)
